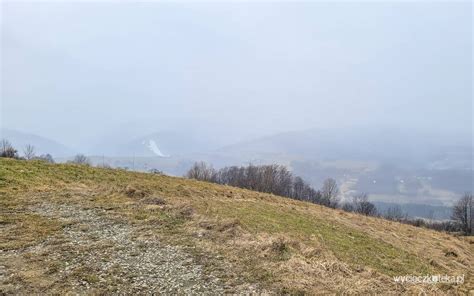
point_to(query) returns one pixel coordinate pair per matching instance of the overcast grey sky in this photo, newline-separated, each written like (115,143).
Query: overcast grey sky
(79,69)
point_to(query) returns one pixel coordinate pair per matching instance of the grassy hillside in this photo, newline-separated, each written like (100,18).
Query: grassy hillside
(58,221)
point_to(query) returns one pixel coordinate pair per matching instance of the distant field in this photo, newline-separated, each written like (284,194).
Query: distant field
(68,228)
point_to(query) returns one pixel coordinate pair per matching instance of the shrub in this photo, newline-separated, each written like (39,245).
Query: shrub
(7,150)
(44,157)
(80,159)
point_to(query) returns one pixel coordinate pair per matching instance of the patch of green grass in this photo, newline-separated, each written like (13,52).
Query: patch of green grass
(20,230)
(347,244)
(26,175)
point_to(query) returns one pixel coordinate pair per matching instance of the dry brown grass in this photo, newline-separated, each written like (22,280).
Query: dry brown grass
(284,245)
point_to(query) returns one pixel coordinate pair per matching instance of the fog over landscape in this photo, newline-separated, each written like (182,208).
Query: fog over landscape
(375,95)
(235,147)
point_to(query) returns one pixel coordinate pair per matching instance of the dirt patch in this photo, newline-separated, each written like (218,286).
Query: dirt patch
(153,200)
(133,192)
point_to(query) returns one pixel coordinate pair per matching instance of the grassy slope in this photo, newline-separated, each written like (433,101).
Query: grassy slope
(283,244)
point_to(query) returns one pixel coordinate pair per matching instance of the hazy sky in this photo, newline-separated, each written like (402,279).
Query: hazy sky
(79,69)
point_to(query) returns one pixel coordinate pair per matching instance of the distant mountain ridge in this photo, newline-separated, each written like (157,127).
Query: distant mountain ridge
(381,145)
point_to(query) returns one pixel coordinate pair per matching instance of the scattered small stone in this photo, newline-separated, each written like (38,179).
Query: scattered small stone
(109,256)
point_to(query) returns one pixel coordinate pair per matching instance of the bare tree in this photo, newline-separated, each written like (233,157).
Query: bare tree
(329,193)
(152,171)
(4,145)
(29,151)
(81,159)
(363,206)
(395,213)
(284,181)
(463,213)
(7,150)
(202,171)
(314,196)
(347,207)
(45,157)
(299,188)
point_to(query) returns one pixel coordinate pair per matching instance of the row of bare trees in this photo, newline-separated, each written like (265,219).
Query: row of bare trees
(29,152)
(277,179)
(273,178)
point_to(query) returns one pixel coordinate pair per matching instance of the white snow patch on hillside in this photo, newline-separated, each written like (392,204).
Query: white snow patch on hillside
(154,148)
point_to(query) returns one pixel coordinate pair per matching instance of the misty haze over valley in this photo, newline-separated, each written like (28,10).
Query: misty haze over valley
(342,91)
(394,166)
(157,147)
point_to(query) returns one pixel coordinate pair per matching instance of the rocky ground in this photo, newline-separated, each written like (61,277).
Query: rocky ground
(95,254)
